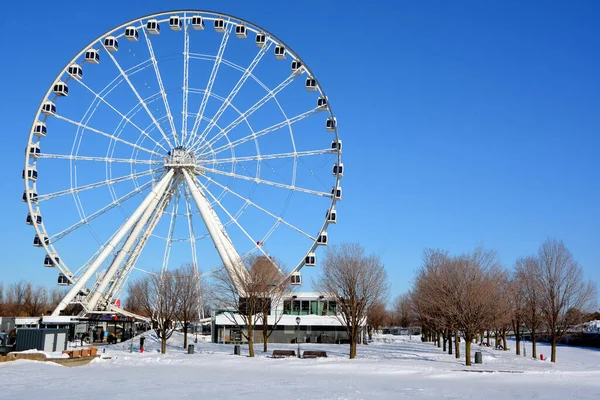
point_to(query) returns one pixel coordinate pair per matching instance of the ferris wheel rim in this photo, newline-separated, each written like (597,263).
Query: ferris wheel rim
(40,228)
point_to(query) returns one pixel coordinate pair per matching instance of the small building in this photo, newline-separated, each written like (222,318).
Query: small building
(320,322)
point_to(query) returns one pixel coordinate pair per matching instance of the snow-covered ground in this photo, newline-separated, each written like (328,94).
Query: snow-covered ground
(392,367)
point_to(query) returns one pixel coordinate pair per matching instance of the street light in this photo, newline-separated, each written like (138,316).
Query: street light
(297,332)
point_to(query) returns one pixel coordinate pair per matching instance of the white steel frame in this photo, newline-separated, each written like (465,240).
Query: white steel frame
(170,179)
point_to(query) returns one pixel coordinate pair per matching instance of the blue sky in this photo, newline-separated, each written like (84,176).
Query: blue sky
(463,122)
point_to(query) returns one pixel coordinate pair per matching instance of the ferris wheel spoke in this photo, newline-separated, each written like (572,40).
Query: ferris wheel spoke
(188,209)
(211,81)
(172,222)
(160,85)
(261,157)
(262,132)
(235,221)
(108,135)
(248,201)
(140,99)
(265,182)
(77,189)
(96,214)
(125,117)
(186,66)
(271,94)
(99,159)
(238,86)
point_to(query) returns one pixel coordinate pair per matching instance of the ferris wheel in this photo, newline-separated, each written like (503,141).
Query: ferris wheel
(180,137)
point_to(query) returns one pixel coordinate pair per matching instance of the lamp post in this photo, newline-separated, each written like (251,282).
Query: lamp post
(297,333)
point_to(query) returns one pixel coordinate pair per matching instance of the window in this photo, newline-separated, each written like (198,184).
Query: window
(332,309)
(314,307)
(296,307)
(305,307)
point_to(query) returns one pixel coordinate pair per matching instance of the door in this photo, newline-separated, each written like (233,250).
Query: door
(49,339)
(60,342)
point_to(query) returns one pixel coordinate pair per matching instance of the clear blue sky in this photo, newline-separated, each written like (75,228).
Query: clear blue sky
(463,122)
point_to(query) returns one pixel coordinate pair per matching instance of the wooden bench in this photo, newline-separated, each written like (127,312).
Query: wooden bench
(283,353)
(314,354)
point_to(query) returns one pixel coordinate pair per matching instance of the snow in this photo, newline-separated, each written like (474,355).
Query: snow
(390,367)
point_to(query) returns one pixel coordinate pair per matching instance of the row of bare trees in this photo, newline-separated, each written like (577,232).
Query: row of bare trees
(471,294)
(24,299)
(169,298)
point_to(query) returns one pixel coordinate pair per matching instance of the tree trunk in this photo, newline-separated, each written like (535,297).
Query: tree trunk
(553,356)
(504,340)
(518,342)
(353,339)
(439,339)
(450,343)
(468,350)
(185,330)
(456,344)
(163,345)
(250,341)
(488,338)
(444,336)
(533,344)
(265,333)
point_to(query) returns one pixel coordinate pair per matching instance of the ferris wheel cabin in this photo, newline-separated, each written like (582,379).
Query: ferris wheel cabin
(311,84)
(61,89)
(37,240)
(336,146)
(338,169)
(322,239)
(240,32)
(34,150)
(63,280)
(33,218)
(296,67)
(131,34)
(198,23)
(175,23)
(322,102)
(153,27)
(295,279)
(331,124)
(75,71)
(280,52)
(111,43)
(261,39)
(39,129)
(219,25)
(92,56)
(48,108)
(30,172)
(51,261)
(331,216)
(310,260)
(32,196)
(336,192)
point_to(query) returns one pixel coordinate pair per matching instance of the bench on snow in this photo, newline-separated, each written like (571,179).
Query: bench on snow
(283,353)
(314,354)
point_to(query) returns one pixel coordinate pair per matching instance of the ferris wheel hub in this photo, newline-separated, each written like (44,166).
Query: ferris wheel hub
(179,157)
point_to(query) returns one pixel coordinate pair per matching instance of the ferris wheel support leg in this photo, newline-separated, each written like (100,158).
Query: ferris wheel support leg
(125,249)
(116,286)
(231,259)
(158,191)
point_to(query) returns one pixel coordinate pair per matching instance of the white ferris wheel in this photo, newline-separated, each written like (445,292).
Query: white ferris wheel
(170,137)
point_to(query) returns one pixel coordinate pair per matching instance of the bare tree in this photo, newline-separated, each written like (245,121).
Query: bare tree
(16,298)
(35,300)
(267,272)
(247,299)
(527,273)
(517,301)
(562,289)
(476,276)
(356,281)
(377,316)
(189,282)
(158,296)
(402,310)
